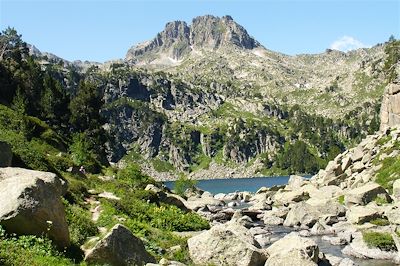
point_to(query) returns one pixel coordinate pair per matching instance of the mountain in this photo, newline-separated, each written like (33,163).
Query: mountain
(178,39)
(208,100)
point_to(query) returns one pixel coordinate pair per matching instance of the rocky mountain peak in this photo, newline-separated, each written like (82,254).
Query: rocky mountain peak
(206,32)
(213,32)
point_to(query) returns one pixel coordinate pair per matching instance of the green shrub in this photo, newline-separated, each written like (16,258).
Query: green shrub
(29,250)
(182,184)
(132,177)
(380,222)
(162,166)
(79,223)
(341,199)
(383,241)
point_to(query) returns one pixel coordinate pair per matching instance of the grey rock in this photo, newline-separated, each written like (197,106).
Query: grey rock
(365,194)
(293,250)
(119,247)
(31,204)
(362,214)
(230,244)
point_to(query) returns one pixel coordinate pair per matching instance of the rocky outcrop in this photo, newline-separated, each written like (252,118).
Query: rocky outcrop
(206,32)
(31,204)
(229,244)
(5,154)
(390,109)
(119,247)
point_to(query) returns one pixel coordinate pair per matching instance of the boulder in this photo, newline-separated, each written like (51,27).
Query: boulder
(227,244)
(119,247)
(346,162)
(292,246)
(272,220)
(365,194)
(286,197)
(31,204)
(393,215)
(5,154)
(194,203)
(357,154)
(304,214)
(295,182)
(362,214)
(359,249)
(290,258)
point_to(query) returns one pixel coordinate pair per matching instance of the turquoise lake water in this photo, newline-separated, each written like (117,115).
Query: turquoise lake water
(236,184)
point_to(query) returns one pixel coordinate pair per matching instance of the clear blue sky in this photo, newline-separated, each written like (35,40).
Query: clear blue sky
(103,30)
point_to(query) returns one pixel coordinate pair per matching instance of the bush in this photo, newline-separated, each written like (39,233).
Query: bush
(182,184)
(79,223)
(383,241)
(380,222)
(132,177)
(29,250)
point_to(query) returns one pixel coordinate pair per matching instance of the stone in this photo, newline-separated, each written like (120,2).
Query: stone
(294,182)
(359,249)
(272,220)
(346,162)
(220,196)
(362,214)
(153,188)
(31,204)
(365,194)
(175,200)
(109,195)
(357,154)
(393,215)
(194,203)
(396,189)
(290,258)
(261,205)
(286,197)
(358,167)
(230,244)
(292,242)
(304,214)
(5,154)
(119,247)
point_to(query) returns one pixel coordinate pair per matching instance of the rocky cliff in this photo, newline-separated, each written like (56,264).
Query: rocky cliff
(390,111)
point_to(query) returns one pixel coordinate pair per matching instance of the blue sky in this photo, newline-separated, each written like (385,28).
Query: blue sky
(100,30)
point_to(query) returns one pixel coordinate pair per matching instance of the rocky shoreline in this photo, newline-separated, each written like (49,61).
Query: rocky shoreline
(341,204)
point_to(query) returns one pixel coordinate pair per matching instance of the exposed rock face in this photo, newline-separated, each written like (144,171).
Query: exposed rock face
(31,204)
(119,247)
(226,245)
(177,39)
(390,109)
(5,154)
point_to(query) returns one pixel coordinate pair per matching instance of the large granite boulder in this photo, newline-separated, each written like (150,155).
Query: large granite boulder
(226,244)
(293,250)
(119,247)
(306,215)
(5,154)
(31,204)
(365,194)
(363,214)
